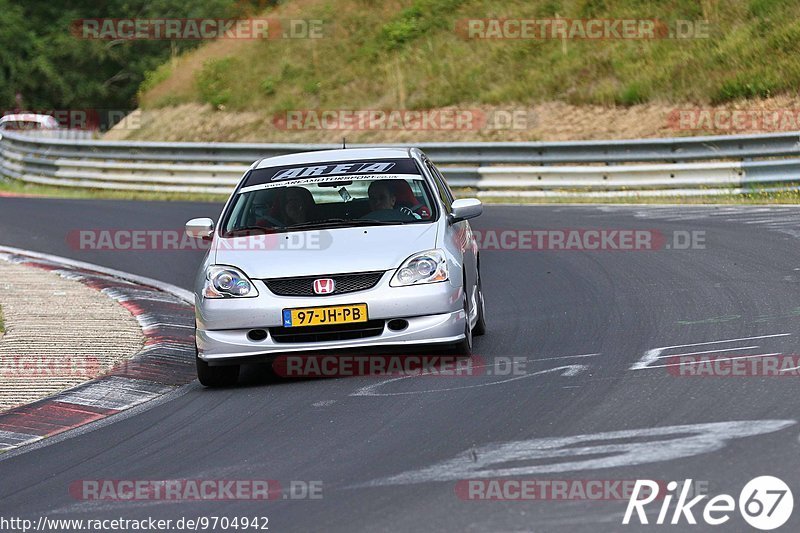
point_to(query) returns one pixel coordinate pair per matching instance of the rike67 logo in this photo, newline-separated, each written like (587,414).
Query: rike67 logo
(765,503)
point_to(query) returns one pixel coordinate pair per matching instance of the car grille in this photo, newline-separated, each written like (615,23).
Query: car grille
(305,286)
(336,332)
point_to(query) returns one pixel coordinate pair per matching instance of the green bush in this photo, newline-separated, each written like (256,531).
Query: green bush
(415,21)
(634,93)
(408,26)
(268,86)
(742,87)
(213,81)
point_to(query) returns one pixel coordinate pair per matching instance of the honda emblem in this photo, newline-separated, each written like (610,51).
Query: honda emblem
(324,286)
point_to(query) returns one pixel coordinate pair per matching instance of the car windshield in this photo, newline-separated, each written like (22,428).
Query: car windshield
(20,125)
(327,195)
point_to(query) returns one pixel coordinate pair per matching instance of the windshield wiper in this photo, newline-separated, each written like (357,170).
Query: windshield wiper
(251,228)
(343,222)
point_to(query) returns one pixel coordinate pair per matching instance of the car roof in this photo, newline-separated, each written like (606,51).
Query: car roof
(321,156)
(28,117)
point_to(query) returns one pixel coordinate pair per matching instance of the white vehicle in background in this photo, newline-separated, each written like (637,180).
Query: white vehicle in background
(27,122)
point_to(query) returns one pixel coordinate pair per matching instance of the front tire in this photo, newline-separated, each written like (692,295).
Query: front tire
(480,324)
(464,346)
(217,376)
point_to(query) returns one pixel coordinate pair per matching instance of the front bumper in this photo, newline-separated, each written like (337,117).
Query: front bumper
(434,314)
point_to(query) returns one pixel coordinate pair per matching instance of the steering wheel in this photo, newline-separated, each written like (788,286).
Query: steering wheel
(407,211)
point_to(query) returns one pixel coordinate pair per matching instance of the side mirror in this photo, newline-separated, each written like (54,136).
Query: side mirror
(465,209)
(200,228)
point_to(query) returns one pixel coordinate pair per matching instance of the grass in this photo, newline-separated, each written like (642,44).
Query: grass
(755,197)
(407,54)
(744,199)
(2,322)
(18,187)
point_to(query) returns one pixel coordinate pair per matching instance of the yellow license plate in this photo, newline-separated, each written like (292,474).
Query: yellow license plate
(323,316)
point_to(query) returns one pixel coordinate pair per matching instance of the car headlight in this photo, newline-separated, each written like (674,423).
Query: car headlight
(228,282)
(423,267)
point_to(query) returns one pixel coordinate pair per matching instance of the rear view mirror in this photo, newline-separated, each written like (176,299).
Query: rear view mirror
(200,228)
(465,209)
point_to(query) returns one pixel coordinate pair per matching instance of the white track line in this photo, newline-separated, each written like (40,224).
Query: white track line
(369,390)
(653,355)
(707,351)
(564,357)
(720,359)
(726,340)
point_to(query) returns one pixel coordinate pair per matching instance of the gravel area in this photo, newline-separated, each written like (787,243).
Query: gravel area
(59,333)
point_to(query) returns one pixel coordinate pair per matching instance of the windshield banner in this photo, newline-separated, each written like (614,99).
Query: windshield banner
(337,170)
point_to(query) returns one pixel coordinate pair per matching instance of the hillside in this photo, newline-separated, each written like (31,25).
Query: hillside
(412,54)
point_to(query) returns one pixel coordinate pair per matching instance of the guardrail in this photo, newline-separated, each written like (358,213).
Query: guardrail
(66,133)
(718,164)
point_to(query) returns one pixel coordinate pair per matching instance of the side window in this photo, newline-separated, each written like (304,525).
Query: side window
(441,186)
(444,183)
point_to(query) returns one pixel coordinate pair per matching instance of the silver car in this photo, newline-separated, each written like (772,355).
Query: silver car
(332,250)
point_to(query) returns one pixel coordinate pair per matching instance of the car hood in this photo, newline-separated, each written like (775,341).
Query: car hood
(328,251)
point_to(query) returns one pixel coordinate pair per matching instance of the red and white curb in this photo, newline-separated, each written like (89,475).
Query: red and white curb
(166,315)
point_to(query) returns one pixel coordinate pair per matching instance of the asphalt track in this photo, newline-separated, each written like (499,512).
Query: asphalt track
(390,455)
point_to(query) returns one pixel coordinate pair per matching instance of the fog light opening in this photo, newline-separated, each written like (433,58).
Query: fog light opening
(257,335)
(397,324)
